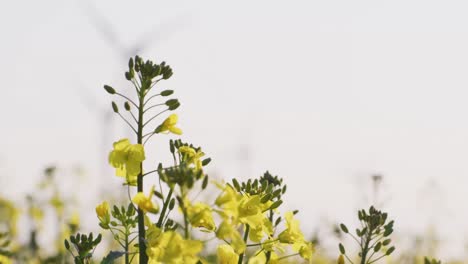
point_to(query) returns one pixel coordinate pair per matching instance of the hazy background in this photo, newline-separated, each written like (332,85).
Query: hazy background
(322,93)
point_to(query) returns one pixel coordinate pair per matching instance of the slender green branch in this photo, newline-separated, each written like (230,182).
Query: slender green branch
(166,204)
(377,259)
(346,256)
(288,256)
(167,168)
(262,243)
(153,106)
(128,123)
(151,119)
(128,99)
(133,116)
(151,97)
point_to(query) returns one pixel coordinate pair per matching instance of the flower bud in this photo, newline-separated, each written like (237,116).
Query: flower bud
(114,107)
(127,106)
(109,89)
(167,92)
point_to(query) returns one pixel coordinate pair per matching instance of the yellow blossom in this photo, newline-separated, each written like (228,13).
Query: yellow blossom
(258,258)
(144,202)
(258,232)
(102,211)
(200,215)
(192,156)
(250,211)
(227,255)
(57,203)
(127,158)
(5,260)
(305,249)
(9,215)
(169,247)
(341,260)
(227,230)
(74,222)
(292,234)
(169,125)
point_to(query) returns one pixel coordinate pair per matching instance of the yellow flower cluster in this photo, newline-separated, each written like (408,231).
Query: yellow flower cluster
(192,156)
(169,247)
(249,210)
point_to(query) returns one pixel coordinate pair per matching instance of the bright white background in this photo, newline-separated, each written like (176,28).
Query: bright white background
(323,93)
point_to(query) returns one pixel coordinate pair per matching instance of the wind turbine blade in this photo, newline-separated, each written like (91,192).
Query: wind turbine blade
(102,26)
(159,33)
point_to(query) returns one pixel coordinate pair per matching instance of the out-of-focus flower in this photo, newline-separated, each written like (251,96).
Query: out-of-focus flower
(292,234)
(200,215)
(169,247)
(227,255)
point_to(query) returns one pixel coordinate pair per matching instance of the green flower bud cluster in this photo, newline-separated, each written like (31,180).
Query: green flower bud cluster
(189,169)
(84,246)
(373,237)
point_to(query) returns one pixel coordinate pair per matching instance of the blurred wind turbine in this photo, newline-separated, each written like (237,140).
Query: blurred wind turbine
(106,31)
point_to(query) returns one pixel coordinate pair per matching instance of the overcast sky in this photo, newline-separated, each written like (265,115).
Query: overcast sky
(322,93)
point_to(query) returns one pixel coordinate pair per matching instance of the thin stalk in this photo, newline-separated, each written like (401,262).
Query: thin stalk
(365,249)
(128,99)
(127,260)
(246,235)
(288,256)
(166,204)
(268,254)
(141,217)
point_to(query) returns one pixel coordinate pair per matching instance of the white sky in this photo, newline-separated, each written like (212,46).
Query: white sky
(323,93)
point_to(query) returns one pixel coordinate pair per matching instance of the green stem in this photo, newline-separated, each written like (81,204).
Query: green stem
(141,217)
(268,253)
(246,235)
(127,261)
(184,212)
(365,249)
(166,204)
(186,225)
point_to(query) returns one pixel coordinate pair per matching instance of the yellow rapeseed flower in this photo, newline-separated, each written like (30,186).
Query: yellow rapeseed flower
(192,156)
(305,249)
(341,260)
(169,125)
(169,247)
(228,231)
(200,215)
(144,202)
(5,260)
(292,234)
(126,159)
(250,211)
(102,211)
(227,255)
